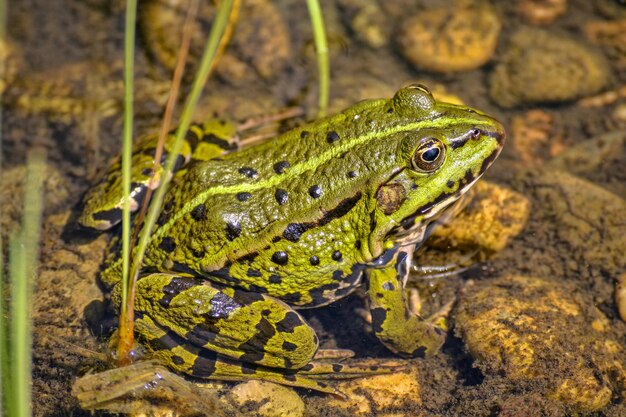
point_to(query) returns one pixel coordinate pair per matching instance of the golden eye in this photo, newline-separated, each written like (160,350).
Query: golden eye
(429,155)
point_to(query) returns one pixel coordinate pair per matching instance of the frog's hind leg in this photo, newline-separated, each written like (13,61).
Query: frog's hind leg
(247,326)
(212,331)
(169,348)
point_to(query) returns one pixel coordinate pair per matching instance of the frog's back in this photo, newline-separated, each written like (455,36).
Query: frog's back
(300,217)
(259,215)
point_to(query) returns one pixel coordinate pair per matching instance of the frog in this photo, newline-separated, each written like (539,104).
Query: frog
(247,237)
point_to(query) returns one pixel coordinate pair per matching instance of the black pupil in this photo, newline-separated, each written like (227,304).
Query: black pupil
(430,155)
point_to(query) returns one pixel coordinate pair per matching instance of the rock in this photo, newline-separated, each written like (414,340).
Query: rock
(534,138)
(613,9)
(541,12)
(262,38)
(260,43)
(368,22)
(267,399)
(599,159)
(545,333)
(611,36)
(459,37)
(491,218)
(541,67)
(145,388)
(381,395)
(589,218)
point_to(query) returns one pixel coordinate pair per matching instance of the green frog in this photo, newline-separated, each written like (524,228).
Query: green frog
(246,237)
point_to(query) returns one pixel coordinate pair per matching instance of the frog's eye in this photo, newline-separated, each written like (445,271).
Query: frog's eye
(429,155)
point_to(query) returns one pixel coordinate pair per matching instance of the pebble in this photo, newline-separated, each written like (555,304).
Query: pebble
(541,67)
(541,12)
(521,326)
(493,216)
(381,395)
(268,399)
(461,37)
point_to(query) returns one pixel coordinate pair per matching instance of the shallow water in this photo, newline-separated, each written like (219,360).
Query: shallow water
(549,291)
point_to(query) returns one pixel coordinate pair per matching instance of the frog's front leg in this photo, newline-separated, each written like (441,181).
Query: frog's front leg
(395,325)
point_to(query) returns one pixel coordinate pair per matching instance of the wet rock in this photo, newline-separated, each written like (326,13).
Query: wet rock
(546,333)
(534,137)
(260,45)
(541,67)
(577,230)
(619,113)
(381,395)
(262,38)
(146,388)
(267,399)
(459,37)
(611,36)
(491,218)
(599,159)
(541,12)
(590,218)
(613,9)
(368,21)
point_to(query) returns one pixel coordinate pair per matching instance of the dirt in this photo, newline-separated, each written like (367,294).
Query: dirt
(67,98)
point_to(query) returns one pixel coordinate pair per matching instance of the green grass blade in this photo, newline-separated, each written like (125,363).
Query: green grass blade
(321,49)
(129,54)
(23,260)
(213,41)
(5,385)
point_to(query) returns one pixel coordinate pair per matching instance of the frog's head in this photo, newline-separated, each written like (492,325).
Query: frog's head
(442,153)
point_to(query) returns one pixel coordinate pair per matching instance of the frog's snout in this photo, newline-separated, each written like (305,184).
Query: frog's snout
(497,132)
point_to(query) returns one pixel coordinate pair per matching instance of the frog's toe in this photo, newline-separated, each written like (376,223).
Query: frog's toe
(354,369)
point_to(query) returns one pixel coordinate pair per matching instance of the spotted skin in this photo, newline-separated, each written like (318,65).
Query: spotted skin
(279,348)
(103,203)
(301,221)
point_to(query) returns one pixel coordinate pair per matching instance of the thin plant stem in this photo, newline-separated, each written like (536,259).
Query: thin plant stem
(23,260)
(192,10)
(5,383)
(5,386)
(211,50)
(126,323)
(321,49)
